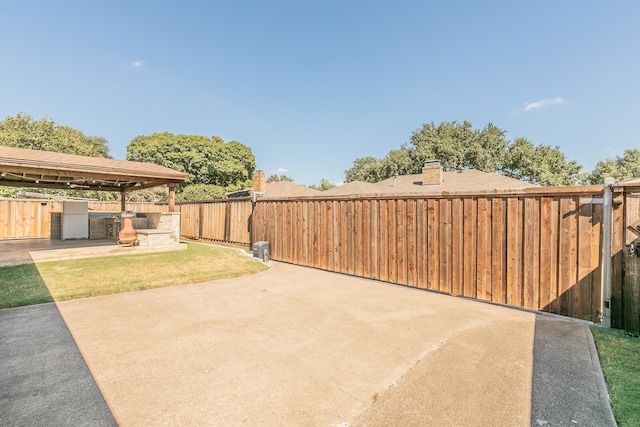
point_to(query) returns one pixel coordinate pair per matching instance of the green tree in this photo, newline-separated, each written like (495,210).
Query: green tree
(277,178)
(540,164)
(206,160)
(22,131)
(202,192)
(460,146)
(400,162)
(240,185)
(324,185)
(447,142)
(621,167)
(488,152)
(365,169)
(154,194)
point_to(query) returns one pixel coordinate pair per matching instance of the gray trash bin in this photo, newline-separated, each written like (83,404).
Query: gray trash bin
(261,250)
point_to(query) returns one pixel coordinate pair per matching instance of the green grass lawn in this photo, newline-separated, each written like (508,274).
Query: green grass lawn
(28,284)
(620,360)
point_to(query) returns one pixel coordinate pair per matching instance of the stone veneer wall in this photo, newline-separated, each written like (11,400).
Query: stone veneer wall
(170,221)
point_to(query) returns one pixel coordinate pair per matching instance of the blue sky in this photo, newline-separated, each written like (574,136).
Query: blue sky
(311,86)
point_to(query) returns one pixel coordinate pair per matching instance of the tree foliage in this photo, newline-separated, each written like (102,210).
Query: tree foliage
(324,185)
(278,178)
(621,167)
(459,146)
(202,192)
(540,164)
(22,131)
(153,194)
(208,161)
(365,169)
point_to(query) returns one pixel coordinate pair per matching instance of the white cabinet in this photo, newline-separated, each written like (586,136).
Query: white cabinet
(75,220)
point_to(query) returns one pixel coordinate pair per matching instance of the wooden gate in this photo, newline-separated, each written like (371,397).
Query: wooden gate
(625,299)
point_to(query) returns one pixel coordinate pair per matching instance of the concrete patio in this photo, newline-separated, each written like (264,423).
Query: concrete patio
(295,346)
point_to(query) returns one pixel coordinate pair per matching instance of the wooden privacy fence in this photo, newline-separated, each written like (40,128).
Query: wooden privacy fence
(219,220)
(538,250)
(21,219)
(25,218)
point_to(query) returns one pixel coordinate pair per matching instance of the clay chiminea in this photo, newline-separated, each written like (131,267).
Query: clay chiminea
(127,235)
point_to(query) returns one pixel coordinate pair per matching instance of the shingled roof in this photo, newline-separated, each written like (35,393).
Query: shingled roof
(455,181)
(352,188)
(278,189)
(21,167)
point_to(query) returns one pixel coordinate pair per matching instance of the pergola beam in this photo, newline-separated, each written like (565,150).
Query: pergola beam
(44,169)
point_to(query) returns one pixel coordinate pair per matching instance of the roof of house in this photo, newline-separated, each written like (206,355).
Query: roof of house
(456,181)
(288,188)
(46,169)
(464,180)
(278,189)
(353,187)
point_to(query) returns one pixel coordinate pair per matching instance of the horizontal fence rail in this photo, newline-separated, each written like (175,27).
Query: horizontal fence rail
(539,251)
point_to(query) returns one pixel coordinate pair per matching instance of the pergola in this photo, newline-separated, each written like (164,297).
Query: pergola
(21,167)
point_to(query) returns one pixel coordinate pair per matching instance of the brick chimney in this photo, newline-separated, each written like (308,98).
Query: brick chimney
(432,173)
(259,182)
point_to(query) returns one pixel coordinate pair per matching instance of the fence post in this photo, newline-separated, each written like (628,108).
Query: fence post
(607,220)
(200,220)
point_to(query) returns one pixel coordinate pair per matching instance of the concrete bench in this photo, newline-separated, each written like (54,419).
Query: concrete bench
(155,237)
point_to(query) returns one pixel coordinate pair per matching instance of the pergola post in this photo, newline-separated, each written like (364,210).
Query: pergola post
(172,197)
(123,206)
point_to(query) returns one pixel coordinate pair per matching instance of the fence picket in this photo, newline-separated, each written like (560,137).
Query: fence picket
(498,252)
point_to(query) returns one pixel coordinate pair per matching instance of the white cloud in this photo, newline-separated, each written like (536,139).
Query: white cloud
(280,171)
(137,64)
(528,106)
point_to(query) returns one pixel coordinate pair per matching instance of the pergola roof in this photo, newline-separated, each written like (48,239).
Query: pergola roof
(20,167)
